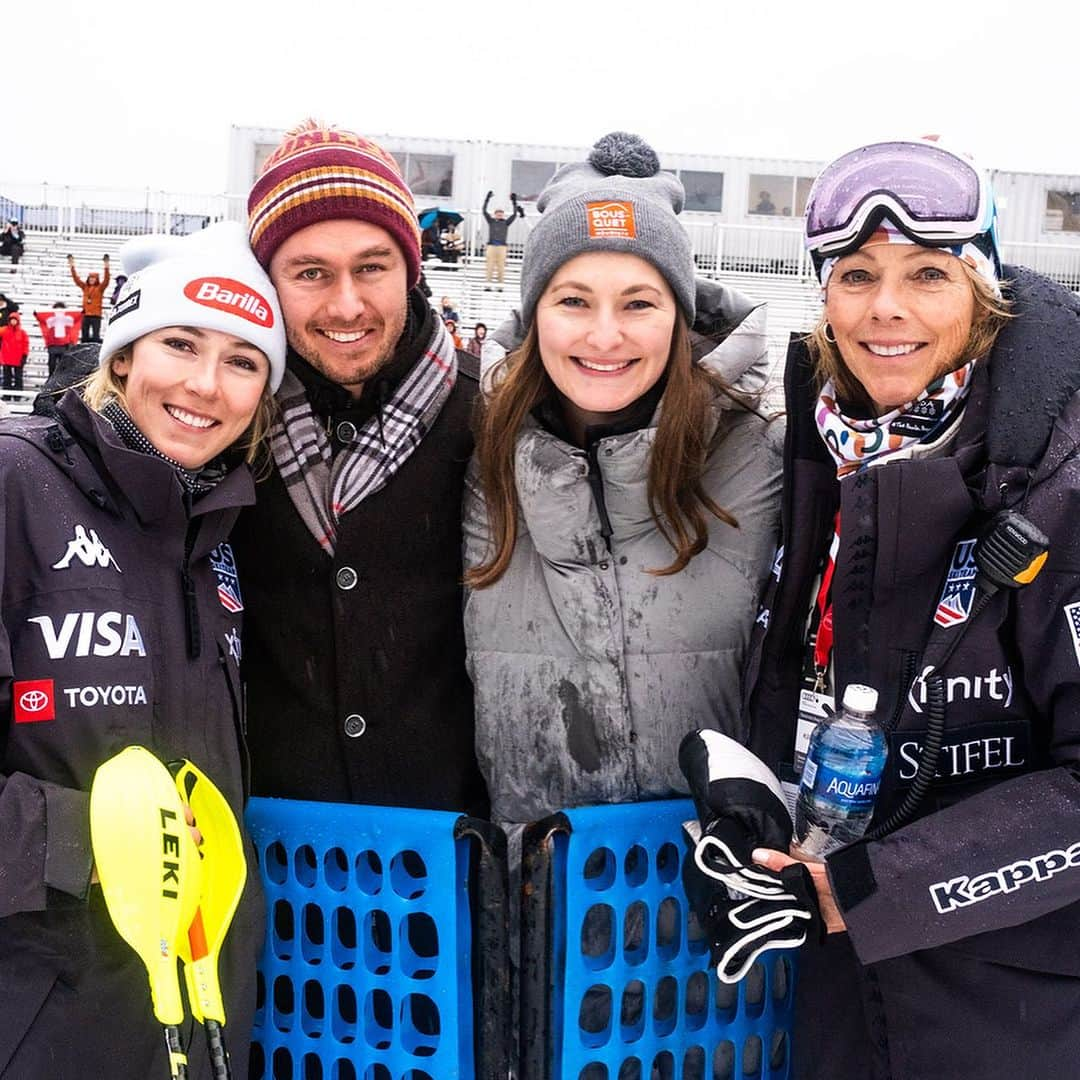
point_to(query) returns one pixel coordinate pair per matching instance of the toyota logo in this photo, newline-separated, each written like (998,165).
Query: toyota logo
(33,700)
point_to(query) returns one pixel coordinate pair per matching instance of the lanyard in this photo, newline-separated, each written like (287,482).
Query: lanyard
(823,642)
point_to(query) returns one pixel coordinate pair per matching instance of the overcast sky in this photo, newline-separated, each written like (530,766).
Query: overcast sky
(134,94)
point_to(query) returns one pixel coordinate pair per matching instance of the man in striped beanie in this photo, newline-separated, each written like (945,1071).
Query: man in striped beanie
(351,559)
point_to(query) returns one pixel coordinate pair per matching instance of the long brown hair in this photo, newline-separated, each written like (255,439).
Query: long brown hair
(991,314)
(677,499)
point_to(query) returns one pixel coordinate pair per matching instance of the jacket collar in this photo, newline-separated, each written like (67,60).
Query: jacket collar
(148,484)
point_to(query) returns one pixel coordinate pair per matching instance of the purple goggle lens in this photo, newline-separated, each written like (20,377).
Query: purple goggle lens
(932,193)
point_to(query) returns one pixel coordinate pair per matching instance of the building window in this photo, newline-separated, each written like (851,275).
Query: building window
(704,190)
(527,178)
(1062,211)
(770,195)
(262,152)
(427,174)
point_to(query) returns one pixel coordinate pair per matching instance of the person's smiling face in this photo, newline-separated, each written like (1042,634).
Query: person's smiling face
(343,288)
(901,315)
(604,325)
(191,392)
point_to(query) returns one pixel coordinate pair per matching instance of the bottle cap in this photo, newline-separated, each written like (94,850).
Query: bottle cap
(860,698)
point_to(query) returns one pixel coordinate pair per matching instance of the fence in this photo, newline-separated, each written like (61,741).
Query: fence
(387,954)
(616,983)
(373,966)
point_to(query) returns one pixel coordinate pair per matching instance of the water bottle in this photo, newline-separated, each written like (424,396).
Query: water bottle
(841,776)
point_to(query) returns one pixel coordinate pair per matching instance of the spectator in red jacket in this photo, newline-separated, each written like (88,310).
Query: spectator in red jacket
(93,290)
(60,328)
(14,349)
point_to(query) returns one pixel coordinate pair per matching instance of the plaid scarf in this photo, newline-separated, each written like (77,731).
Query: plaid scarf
(323,489)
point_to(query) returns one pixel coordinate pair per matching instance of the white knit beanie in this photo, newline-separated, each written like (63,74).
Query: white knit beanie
(209,280)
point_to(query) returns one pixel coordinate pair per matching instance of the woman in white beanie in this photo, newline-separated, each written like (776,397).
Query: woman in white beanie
(623,505)
(121,626)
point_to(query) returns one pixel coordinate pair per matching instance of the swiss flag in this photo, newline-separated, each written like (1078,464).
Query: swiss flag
(34,700)
(59,326)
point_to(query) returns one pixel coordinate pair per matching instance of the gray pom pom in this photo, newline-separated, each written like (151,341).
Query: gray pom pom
(623,154)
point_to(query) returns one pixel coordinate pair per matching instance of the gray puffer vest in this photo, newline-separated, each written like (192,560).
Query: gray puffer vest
(588,670)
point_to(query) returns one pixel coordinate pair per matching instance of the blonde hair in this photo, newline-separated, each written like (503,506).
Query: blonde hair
(677,498)
(104,385)
(991,314)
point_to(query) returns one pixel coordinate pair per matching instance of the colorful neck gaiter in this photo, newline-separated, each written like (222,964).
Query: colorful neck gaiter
(858,444)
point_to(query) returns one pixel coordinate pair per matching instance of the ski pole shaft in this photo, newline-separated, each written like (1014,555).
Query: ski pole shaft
(219,1056)
(178,1069)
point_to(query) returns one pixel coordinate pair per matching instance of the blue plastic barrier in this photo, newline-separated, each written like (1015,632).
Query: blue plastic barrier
(617,984)
(368,966)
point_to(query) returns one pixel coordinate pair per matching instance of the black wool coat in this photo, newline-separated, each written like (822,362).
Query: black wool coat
(355,664)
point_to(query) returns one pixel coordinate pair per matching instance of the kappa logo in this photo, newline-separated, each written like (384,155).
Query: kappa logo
(225,294)
(228,584)
(110,633)
(235,648)
(993,686)
(611,220)
(33,701)
(1072,614)
(954,607)
(778,562)
(88,549)
(963,891)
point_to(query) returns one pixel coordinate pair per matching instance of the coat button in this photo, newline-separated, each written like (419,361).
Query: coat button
(355,725)
(604,565)
(346,578)
(345,432)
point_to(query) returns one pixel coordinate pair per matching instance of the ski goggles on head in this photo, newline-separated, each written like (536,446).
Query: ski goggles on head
(935,197)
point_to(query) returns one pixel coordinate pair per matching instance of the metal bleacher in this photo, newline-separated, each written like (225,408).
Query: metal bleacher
(41,278)
(794,304)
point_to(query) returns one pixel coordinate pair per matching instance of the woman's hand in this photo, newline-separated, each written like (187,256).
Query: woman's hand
(830,913)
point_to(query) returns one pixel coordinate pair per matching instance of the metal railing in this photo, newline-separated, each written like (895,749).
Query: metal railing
(719,246)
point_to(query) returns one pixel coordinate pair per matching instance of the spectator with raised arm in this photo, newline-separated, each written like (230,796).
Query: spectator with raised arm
(93,294)
(498,226)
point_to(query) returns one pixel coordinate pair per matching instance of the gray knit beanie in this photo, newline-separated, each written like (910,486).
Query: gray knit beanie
(617,200)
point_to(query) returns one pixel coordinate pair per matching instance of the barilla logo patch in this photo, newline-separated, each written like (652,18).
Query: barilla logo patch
(611,220)
(34,700)
(224,294)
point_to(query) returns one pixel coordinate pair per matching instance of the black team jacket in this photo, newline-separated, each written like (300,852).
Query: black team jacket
(355,664)
(106,643)
(963,952)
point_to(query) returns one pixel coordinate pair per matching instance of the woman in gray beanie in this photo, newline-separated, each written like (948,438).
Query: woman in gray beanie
(622,508)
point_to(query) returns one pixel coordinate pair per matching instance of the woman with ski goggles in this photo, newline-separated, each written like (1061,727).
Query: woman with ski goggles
(938,392)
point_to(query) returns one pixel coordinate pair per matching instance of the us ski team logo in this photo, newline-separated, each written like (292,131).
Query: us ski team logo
(88,549)
(1072,613)
(228,584)
(954,607)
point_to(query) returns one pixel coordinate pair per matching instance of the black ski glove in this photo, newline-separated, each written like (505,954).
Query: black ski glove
(744,908)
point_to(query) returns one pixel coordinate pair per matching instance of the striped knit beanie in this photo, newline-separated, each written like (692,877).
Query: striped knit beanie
(319,173)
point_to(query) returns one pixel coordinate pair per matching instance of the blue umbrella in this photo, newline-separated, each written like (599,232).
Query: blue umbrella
(442,217)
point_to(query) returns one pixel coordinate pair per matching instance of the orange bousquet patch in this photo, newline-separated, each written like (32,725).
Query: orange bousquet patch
(611,220)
